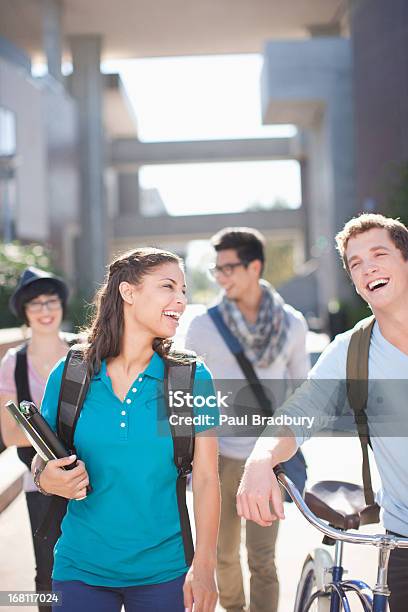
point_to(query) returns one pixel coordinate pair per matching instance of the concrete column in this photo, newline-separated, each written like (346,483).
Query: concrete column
(129,198)
(320,225)
(304,181)
(86,87)
(52,35)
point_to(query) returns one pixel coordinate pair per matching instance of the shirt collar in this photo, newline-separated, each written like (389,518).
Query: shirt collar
(155,369)
(101,373)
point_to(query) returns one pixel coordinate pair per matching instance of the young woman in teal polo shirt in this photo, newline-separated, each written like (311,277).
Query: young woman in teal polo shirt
(122,543)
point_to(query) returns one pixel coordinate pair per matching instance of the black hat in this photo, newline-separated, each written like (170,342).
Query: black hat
(25,285)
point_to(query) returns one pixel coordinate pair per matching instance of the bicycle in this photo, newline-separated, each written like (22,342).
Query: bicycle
(321,586)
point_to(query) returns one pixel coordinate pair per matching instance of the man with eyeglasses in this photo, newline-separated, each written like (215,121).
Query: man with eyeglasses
(273,337)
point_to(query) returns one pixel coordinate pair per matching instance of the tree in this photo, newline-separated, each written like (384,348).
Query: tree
(14,258)
(396,201)
(279,262)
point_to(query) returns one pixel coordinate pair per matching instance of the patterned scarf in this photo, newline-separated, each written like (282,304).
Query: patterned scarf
(264,341)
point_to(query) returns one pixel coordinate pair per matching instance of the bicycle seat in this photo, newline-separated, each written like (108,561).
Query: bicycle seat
(342,504)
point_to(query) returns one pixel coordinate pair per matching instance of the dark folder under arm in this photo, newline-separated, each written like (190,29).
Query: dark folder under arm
(38,432)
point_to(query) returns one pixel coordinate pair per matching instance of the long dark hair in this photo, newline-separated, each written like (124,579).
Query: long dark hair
(104,335)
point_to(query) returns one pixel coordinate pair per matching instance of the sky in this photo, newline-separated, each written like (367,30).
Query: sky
(224,187)
(204,98)
(193,98)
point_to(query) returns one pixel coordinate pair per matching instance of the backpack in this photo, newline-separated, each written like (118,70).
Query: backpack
(26,453)
(74,386)
(357,393)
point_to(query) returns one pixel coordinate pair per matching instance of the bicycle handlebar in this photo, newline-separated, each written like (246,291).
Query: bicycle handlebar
(382,539)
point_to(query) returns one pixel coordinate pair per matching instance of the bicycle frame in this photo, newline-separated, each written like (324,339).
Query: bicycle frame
(339,587)
(377,602)
(372,600)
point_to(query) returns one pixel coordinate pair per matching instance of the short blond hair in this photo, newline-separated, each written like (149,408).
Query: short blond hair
(397,231)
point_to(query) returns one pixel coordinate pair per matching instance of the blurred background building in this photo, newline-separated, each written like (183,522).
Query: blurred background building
(71,153)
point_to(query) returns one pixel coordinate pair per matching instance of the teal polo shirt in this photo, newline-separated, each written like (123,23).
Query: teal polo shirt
(127,531)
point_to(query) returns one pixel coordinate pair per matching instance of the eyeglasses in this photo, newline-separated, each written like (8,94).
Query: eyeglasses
(226,269)
(37,306)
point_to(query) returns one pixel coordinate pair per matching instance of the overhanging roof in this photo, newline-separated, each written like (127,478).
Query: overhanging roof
(142,28)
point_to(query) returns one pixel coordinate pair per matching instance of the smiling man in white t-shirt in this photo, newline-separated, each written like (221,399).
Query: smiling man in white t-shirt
(374,250)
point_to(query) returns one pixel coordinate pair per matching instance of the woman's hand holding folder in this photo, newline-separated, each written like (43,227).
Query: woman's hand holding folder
(69,483)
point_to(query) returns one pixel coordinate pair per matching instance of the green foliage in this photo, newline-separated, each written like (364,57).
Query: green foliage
(79,313)
(14,258)
(276,204)
(279,262)
(201,289)
(355,310)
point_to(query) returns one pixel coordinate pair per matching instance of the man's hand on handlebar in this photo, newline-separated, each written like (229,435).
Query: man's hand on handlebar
(259,497)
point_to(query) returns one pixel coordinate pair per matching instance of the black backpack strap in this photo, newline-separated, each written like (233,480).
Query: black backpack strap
(21,375)
(181,377)
(50,527)
(357,392)
(25,453)
(264,403)
(73,390)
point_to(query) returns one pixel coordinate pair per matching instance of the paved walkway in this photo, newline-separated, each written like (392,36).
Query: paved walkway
(16,551)
(327,459)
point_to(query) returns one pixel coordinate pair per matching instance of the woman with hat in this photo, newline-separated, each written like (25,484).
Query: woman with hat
(39,300)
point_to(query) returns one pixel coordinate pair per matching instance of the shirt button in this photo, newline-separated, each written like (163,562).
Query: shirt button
(140,379)
(134,389)
(123,424)
(128,401)
(123,412)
